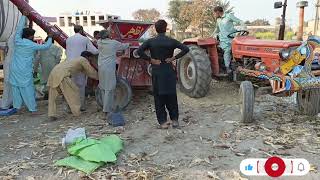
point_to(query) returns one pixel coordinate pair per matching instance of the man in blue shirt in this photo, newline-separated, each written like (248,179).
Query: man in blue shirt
(224,27)
(21,67)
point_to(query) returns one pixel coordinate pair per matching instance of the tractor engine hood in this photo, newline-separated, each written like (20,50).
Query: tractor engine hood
(249,46)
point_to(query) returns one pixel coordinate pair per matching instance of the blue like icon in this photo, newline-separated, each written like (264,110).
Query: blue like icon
(249,167)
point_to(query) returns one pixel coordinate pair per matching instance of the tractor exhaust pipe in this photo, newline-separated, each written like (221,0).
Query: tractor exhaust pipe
(301,5)
(278,5)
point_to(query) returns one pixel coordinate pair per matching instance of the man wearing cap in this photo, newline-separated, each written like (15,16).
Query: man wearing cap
(107,67)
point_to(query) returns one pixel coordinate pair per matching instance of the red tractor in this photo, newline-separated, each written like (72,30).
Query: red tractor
(283,67)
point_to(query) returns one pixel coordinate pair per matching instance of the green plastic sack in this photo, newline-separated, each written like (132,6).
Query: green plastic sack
(99,152)
(79,144)
(115,143)
(79,164)
(103,150)
(90,154)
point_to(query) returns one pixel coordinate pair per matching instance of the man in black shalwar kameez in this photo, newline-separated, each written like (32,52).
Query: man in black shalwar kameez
(162,49)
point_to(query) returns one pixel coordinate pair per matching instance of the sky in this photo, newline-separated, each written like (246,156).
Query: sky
(244,9)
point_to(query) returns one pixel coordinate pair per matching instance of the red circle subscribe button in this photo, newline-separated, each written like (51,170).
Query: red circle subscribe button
(275,167)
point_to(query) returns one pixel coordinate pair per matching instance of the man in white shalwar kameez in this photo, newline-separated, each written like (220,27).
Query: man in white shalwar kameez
(75,45)
(107,68)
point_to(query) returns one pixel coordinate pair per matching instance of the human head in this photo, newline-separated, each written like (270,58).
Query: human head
(218,12)
(161,26)
(47,38)
(78,29)
(96,34)
(104,34)
(88,55)
(28,33)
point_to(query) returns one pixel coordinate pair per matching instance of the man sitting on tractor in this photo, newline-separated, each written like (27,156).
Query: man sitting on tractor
(224,27)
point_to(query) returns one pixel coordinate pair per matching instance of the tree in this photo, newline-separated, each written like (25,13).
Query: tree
(175,9)
(260,22)
(197,13)
(148,15)
(247,22)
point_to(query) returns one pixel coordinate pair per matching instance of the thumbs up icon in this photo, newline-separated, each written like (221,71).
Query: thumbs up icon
(249,168)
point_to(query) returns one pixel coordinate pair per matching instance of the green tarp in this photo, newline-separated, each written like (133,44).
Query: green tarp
(90,154)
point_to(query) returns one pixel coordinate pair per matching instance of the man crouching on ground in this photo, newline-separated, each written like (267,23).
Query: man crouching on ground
(60,81)
(163,75)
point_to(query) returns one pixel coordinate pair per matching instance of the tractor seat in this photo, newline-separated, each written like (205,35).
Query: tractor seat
(252,41)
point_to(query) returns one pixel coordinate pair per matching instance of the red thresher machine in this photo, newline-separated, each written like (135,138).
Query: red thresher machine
(132,71)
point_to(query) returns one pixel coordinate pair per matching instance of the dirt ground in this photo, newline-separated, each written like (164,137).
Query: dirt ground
(210,145)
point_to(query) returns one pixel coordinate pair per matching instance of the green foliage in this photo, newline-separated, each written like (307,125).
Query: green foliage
(289,35)
(272,35)
(265,35)
(175,7)
(197,13)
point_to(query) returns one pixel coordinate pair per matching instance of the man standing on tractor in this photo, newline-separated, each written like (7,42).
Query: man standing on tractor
(224,27)
(163,75)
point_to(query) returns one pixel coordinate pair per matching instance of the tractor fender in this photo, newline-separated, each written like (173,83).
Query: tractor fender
(201,41)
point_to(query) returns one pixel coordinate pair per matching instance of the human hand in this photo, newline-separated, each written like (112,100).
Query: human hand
(25,13)
(155,61)
(169,60)
(50,34)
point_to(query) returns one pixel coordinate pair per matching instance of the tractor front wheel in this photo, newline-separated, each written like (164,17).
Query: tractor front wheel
(123,94)
(308,102)
(246,102)
(194,71)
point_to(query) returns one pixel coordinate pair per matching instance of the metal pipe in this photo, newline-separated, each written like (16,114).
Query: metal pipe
(301,5)
(316,21)
(283,22)
(34,16)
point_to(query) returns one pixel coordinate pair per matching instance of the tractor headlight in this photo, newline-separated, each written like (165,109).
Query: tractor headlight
(260,66)
(135,54)
(284,53)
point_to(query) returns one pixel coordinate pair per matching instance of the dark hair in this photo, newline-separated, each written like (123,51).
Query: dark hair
(77,28)
(28,32)
(218,9)
(161,26)
(95,33)
(47,38)
(86,54)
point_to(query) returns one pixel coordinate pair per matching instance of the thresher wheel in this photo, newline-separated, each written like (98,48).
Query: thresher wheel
(247,102)
(308,102)
(194,71)
(122,97)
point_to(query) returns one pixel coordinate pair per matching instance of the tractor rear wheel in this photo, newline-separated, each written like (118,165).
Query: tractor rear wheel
(194,71)
(123,94)
(246,102)
(308,102)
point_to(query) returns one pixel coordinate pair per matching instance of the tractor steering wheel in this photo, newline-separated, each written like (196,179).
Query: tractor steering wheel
(240,32)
